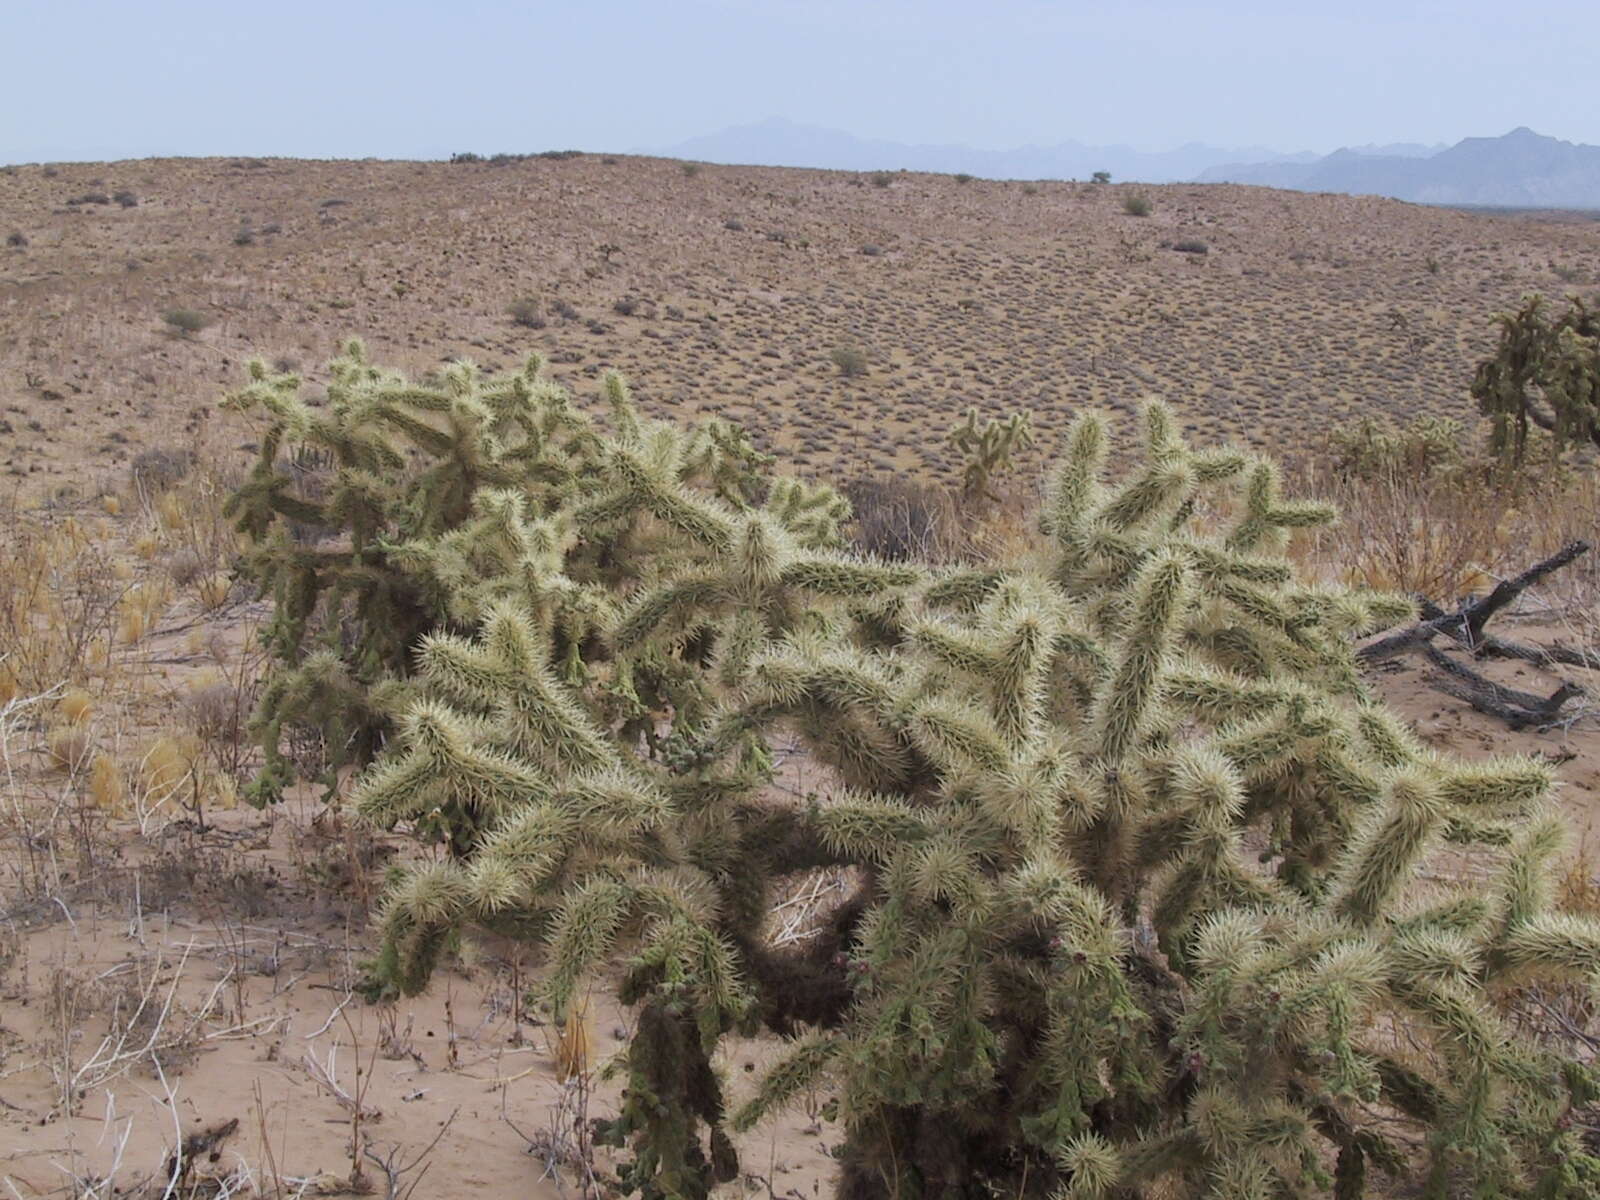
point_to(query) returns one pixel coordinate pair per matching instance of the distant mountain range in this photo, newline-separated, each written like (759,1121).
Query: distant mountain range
(779,143)
(1521,169)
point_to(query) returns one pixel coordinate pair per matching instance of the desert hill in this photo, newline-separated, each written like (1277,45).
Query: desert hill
(732,288)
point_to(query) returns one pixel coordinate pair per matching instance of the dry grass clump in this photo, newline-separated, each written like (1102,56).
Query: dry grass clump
(75,706)
(1422,511)
(59,600)
(69,747)
(140,609)
(213,590)
(167,765)
(108,788)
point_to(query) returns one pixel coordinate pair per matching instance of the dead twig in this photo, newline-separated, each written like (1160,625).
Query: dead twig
(1466,623)
(394,1170)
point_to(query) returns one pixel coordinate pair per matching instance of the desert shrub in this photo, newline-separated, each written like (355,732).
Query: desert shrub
(89,198)
(690,169)
(1191,246)
(1370,449)
(1132,845)
(59,599)
(527,311)
(185,321)
(184,567)
(466,156)
(16,239)
(881,179)
(1426,512)
(962,177)
(851,361)
(160,468)
(126,199)
(898,520)
(1137,204)
(1100,177)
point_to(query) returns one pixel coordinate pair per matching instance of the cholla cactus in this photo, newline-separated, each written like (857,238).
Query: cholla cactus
(1543,370)
(988,447)
(438,501)
(1136,853)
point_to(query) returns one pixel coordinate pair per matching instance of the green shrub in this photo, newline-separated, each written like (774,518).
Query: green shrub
(1137,204)
(851,361)
(528,312)
(1131,846)
(185,321)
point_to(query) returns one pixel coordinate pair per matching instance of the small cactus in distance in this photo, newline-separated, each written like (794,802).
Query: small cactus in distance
(987,448)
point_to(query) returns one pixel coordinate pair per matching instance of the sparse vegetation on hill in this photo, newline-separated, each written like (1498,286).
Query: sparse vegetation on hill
(1288,323)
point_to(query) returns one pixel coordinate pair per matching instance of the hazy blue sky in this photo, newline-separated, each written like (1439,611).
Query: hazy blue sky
(91,79)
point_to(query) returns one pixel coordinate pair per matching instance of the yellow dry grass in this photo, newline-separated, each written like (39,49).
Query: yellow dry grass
(108,788)
(574,1042)
(69,747)
(75,706)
